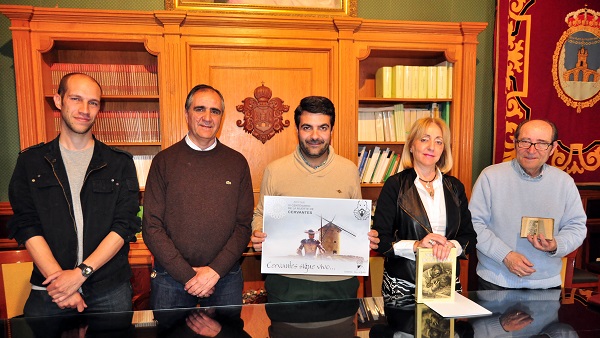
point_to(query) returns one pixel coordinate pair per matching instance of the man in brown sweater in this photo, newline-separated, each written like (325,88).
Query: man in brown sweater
(198,209)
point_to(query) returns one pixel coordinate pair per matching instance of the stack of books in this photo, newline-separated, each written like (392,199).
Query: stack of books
(393,123)
(376,165)
(370,309)
(142,167)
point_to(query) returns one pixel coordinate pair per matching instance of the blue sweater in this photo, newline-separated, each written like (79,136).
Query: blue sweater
(503,194)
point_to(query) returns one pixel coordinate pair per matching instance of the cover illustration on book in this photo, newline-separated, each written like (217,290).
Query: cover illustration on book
(537,226)
(435,279)
(430,324)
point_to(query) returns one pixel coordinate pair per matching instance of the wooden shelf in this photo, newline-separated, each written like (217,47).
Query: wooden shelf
(133,144)
(125,98)
(366,143)
(399,100)
(372,185)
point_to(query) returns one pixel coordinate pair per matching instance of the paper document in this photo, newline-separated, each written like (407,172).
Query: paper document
(460,307)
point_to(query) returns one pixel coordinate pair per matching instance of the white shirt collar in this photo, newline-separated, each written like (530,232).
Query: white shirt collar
(515,164)
(192,145)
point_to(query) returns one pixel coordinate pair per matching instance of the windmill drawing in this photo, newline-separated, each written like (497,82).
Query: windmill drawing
(329,235)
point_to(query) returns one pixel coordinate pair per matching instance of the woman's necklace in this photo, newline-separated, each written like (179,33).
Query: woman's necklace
(428,184)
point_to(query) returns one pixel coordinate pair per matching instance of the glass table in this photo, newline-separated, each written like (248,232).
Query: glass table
(531,313)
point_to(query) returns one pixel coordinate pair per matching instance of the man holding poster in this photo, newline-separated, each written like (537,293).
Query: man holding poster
(312,170)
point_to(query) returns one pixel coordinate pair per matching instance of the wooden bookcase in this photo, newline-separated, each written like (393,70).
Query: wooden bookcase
(377,44)
(368,67)
(295,56)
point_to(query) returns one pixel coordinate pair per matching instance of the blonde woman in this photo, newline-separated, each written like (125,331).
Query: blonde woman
(421,206)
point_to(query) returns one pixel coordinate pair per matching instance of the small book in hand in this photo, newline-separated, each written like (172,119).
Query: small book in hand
(537,226)
(436,279)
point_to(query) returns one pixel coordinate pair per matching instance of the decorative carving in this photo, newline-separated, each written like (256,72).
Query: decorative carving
(263,115)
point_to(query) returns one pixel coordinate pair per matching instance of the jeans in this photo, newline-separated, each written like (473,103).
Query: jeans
(117,299)
(167,293)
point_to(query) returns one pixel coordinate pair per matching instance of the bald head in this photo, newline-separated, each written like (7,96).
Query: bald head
(538,124)
(535,141)
(63,86)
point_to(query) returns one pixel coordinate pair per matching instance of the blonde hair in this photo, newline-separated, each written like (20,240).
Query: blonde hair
(417,131)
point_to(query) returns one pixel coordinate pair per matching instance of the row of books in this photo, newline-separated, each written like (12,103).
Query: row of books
(393,123)
(142,166)
(123,126)
(420,82)
(115,79)
(370,309)
(376,165)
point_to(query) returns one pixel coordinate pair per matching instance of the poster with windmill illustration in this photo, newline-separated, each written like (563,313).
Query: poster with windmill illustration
(316,236)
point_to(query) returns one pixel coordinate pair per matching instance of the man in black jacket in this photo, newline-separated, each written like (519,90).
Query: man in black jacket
(75,202)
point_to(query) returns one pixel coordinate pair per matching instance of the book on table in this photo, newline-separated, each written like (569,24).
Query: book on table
(436,279)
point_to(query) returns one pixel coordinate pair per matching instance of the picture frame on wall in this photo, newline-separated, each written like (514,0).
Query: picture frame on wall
(280,7)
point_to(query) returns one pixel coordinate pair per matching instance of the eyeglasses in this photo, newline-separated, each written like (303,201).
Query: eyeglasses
(537,146)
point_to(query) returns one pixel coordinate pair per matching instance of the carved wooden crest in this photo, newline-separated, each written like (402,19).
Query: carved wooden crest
(263,115)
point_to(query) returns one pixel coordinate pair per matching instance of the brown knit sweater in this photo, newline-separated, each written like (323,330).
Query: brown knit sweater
(198,209)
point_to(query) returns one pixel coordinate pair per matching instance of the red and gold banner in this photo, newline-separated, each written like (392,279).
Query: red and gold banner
(547,56)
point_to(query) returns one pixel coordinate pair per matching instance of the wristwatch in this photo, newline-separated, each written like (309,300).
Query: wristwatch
(86,270)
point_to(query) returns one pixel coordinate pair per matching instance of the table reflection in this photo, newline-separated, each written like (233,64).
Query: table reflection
(526,313)
(200,322)
(418,320)
(316,319)
(515,313)
(110,325)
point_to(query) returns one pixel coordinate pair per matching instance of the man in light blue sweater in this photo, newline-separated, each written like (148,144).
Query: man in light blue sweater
(525,186)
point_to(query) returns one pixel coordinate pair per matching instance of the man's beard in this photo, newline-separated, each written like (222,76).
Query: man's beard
(306,151)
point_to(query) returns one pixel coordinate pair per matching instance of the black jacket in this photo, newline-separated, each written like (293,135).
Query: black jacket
(41,199)
(400,215)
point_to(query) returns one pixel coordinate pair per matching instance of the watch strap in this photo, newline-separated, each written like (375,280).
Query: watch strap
(86,270)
